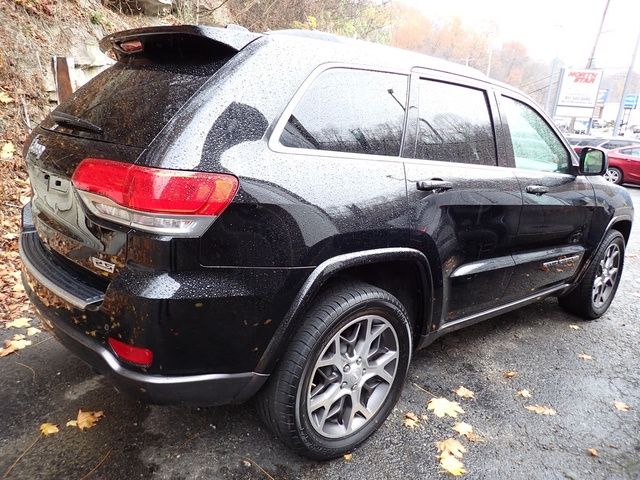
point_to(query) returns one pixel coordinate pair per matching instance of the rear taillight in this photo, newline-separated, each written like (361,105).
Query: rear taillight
(152,199)
(140,356)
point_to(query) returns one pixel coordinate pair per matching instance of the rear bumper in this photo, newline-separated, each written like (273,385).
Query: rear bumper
(202,390)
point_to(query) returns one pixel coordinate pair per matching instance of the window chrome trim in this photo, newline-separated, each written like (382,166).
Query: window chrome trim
(274,140)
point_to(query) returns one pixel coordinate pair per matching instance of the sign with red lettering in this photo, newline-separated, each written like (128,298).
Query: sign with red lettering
(579,88)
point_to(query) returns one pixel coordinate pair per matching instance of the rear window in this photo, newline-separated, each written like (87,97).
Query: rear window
(591,142)
(133,101)
(610,145)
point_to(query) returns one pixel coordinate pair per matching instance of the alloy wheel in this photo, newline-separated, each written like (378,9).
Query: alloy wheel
(606,276)
(353,376)
(612,175)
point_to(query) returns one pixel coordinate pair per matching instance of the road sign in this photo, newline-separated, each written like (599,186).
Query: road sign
(603,95)
(630,101)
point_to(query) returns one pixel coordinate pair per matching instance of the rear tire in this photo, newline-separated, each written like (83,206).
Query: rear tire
(309,400)
(614,175)
(591,298)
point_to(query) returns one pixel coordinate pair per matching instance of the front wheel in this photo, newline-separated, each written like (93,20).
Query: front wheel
(613,175)
(591,298)
(342,374)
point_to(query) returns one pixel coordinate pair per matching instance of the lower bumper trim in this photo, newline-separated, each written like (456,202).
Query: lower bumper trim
(201,390)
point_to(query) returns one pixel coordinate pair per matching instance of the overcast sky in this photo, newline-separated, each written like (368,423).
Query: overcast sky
(550,28)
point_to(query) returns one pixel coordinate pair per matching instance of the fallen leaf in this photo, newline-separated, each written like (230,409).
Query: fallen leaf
(246,463)
(7,151)
(411,420)
(574,327)
(4,98)
(584,356)
(509,374)
(31,331)
(463,428)
(48,429)
(348,456)
(541,409)
(593,452)
(441,407)
(72,423)
(22,322)
(11,346)
(18,336)
(450,446)
(452,465)
(88,419)
(524,393)
(623,407)
(463,392)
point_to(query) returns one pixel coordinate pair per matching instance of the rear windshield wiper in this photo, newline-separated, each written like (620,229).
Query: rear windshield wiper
(67,120)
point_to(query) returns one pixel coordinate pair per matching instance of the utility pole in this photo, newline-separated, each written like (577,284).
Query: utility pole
(593,53)
(627,81)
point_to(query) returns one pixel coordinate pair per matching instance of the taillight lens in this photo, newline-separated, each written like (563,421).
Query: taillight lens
(140,356)
(153,199)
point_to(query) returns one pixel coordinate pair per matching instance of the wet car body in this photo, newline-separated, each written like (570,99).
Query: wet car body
(217,309)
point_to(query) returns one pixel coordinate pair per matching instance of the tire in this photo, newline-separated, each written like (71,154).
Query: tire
(286,404)
(614,175)
(583,299)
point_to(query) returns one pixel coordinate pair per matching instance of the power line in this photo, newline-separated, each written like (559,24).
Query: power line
(535,81)
(546,86)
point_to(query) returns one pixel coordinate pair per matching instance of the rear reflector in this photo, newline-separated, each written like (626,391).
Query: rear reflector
(142,357)
(153,199)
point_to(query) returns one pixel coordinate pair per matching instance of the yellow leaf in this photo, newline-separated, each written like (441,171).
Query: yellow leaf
(4,98)
(574,327)
(524,393)
(88,419)
(22,322)
(623,407)
(11,346)
(509,374)
(584,356)
(72,423)
(463,428)
(450,446)
(463,392)
(48,429)
(31,331)
(348,456)
(7,151)
(411,420)
(18,336)
(541,409)
(452,465)
(441,407)
(593,452)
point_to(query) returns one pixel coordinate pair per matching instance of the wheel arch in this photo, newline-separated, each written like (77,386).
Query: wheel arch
(413,290)
(624,227)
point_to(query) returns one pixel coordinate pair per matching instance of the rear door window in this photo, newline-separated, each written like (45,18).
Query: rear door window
(349,110)
(454,124)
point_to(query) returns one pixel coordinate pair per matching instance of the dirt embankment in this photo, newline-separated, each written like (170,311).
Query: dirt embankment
(31,32)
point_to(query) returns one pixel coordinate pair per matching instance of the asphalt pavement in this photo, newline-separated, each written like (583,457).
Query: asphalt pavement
(45,383)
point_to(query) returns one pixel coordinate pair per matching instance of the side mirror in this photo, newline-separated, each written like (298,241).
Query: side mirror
(593,161)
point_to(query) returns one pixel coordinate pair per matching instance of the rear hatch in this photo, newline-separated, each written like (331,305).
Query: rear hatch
(116,116)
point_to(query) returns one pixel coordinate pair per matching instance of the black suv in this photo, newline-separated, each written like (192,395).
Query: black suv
(224,214)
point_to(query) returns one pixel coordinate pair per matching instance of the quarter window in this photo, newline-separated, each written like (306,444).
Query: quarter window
(454,124)
(535,145)
(348,110)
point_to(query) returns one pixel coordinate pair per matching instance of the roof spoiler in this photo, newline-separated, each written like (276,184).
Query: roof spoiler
(128,42)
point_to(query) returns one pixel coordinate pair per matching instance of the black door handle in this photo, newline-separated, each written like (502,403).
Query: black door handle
(537,189)
(433,185)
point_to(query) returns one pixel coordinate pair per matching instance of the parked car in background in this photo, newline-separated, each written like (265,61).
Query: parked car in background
(605,143)
(624,165)
(204,229)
